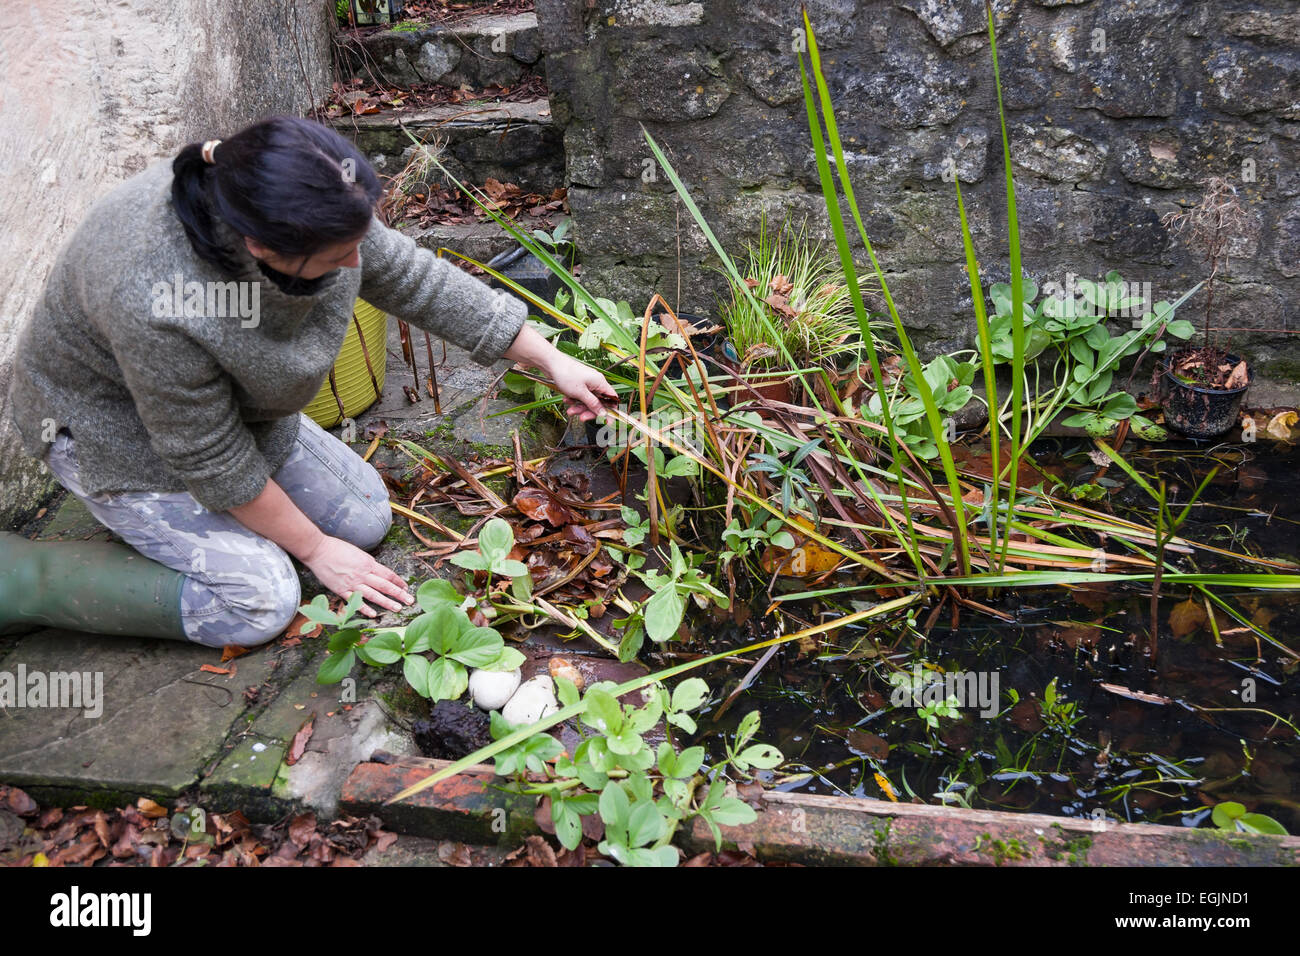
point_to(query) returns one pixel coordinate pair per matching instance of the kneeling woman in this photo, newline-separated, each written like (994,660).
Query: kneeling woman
(183,433)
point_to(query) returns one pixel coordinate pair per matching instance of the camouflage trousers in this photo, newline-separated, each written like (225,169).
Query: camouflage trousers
(240,587)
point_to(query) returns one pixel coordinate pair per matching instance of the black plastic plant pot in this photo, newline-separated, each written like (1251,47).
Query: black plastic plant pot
(1200,412)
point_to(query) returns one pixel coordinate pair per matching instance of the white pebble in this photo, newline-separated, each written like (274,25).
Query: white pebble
(533,700)
(491,689)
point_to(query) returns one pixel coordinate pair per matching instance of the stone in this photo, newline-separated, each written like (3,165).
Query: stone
(1263,26)
(1127,63)
(652,230)
(436,59)
(768,76)
(72,521)
(161,718)
(911,89)
(1286,245)
(1243,79)
(492,689)
(834,22)
(1182,158)
(1057,154)
(398,69)
(657,13)
(664,82)
(949,20)
(1128,228)
(585,155)
(533,700)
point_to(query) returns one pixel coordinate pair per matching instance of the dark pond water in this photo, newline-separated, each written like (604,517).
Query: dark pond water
(1221,727)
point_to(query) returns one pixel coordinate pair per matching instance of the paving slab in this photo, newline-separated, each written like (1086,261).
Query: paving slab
(156,717)
(348,724)
(70,520)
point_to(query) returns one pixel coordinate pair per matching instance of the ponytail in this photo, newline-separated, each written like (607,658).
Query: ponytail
(291,184)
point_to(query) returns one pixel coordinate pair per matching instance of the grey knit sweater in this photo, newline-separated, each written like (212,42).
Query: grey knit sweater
(158,401)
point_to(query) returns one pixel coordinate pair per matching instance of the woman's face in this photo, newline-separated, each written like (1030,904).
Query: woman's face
(341,256)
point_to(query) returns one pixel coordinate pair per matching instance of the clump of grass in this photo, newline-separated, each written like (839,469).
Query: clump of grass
(800,300)
(414,181)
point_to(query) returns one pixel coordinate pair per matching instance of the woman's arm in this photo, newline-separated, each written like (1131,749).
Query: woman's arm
(400,277)
(339,565)
(580,383)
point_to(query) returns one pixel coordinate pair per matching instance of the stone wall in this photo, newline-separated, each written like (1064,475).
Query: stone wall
(94,92)
(1116,110)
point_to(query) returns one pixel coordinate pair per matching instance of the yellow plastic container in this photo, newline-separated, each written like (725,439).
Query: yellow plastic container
(357,388)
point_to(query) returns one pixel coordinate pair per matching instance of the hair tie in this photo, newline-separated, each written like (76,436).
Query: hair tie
(208,148)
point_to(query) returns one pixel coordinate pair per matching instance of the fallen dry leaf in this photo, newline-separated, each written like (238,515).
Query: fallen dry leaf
(1238,377)
(1186,617)
(1136,694)
(868,743)
(1279,425)
(150,809)
(213,669)
(299,743)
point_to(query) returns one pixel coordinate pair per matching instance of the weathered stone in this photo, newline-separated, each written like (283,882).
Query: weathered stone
(822,830)
(1286,244)
(1243,79)
(1027,63)
(909,82)
(655,13)
(1127,61)
(768,75)
(911,89)
(1182,158)
(150,688)
(436,59)
(585,153)
(72,521)
(668,83)
(398,69)
(1265,27)
(1129,229)
(654,230)
(833,21)
(948,20)
(526,45)
(1057,154)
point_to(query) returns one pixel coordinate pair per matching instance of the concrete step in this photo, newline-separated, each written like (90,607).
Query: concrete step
(481,241)
(478,52)
(512,142)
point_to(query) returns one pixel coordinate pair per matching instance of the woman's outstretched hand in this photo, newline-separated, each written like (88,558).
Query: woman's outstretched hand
(581,384)
(343,568)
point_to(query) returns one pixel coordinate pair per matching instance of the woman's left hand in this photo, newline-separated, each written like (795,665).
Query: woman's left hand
(581,384)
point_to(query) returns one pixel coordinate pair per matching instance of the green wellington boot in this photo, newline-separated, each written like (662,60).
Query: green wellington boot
(89,586)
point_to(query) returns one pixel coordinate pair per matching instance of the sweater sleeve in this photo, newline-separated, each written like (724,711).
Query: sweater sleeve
(406,280)
(187,405)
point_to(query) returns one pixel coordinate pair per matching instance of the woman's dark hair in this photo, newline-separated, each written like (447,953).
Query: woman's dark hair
(291,184)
